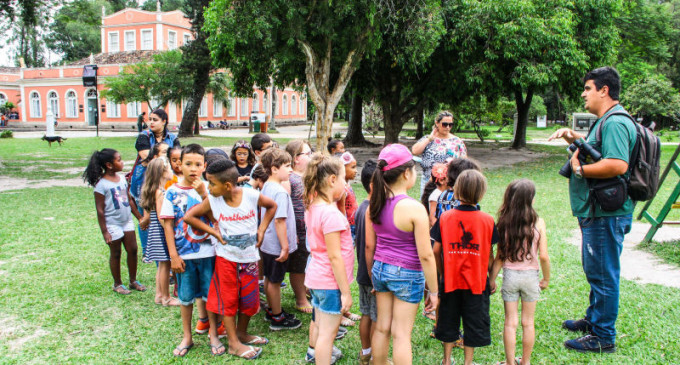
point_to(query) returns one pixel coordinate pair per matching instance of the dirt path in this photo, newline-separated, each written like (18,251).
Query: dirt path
(641,266)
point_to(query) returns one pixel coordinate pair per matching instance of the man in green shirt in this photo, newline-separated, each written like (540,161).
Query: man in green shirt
(140,122)
(602,232)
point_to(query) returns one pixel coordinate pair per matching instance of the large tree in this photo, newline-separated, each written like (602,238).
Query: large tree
(23,23)
(75,30)
(293,42)
(166,5)
(521,47)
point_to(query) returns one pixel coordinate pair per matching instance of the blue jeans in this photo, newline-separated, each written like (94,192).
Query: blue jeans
(600,254)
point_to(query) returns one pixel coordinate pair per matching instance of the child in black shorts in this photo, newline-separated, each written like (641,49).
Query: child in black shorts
(463,249)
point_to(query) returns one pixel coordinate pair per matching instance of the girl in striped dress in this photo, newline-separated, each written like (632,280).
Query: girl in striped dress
(158,173)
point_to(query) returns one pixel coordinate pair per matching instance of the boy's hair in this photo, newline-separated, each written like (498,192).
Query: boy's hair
(274,157)
(259,173)
(605,76)
(97,166)
(458,165)
(259,140)
(210,158)
(192,148)
(223,170)
(470,187)
(320,167)
(152,178)
(295,147)
(243,144)
(367,173)
(332,143)
(516,221)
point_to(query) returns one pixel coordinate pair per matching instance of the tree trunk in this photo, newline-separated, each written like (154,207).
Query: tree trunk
(197,126)
(355,136)
(523,104)
(419,119)
(190,115)
(272,120)
(393,117)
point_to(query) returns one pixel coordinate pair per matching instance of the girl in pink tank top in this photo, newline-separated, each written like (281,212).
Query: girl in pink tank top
(522,245)
(399,256)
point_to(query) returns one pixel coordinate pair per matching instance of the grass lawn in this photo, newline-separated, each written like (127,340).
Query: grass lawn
(669,251)
(56,303)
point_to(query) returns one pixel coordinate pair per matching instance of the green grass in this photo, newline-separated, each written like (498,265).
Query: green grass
(669,251)
(55,285)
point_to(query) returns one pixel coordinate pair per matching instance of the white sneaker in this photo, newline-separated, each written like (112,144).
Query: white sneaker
(336,355)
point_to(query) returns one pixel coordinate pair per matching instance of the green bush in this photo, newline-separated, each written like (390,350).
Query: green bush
(6,134)
(337,135)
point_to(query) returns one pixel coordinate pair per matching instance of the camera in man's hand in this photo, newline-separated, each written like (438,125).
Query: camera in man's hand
(587,154)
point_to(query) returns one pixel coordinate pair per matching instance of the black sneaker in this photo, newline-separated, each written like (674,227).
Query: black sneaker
(284,323)
(590,343)
(342,332)
(268,315)
(577,325)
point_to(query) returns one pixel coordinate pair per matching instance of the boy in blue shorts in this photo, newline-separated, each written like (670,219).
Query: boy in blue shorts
(192,255)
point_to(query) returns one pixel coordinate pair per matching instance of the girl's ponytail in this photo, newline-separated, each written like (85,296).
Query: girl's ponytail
(424,199)
(315,178)
(97,166)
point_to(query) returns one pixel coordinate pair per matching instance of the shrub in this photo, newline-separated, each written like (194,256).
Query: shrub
(6,134)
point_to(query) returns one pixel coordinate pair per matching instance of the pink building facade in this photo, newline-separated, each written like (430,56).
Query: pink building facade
(128,36)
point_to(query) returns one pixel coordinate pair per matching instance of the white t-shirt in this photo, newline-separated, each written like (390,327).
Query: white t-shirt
(116,208)
(238,227)
(284,209)
(434,195)
(190,243)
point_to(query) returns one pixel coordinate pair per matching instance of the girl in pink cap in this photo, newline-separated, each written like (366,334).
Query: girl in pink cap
(398,254)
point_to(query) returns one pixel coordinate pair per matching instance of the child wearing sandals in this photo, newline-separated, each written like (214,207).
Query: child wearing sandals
(523,243)
(332,263)
(464,237)
(234,285)
(158,173)
(115,208)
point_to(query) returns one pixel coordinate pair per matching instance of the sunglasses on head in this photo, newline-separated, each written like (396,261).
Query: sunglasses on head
(447,125)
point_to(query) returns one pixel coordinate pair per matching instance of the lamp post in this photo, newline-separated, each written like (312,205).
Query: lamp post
(90,80)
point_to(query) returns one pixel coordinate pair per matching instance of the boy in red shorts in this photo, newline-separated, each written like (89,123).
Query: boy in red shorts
(234,287)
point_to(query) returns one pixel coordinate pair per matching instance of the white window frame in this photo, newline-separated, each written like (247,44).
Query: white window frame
(35,109)
(174,44)
(133,46)
(217,108)
(111,48)
(112,109)
(203,108)
(134,109)
(3,99)
(293,105)
(244,107)
(302,104)
(284,104)
(70,100)
(141,36)
(256,103)
(186,38)
(53,102)
(231,108)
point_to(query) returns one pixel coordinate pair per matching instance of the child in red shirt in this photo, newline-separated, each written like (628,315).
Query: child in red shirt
(463,249)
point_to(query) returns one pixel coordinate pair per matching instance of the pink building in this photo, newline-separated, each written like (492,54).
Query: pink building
(127,37)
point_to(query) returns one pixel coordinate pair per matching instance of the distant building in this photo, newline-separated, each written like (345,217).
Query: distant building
(127,37)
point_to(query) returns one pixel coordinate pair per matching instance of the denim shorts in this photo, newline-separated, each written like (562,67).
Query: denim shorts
(407,285)
(194,282)
(327,300)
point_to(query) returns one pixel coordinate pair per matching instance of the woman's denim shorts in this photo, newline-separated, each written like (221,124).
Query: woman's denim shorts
(327,300)
(407,285)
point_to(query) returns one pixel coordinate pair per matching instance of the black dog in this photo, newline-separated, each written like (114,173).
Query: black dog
(58,139)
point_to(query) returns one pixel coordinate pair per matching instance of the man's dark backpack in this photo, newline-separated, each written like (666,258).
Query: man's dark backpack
(643,167)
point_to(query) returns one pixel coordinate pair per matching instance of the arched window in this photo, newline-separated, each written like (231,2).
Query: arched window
(244,107)
(36,112)
(112,109)
(265,108)
(203,108)
(293,105)
(53,100)
(71,104)
(303,110)
(231,109)
(3,99)
(284,105)
(217,108)
(256,102)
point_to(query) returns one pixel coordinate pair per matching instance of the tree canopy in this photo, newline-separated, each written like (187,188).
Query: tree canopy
(75,29)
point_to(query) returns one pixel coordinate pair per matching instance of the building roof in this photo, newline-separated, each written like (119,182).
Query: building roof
(9,70)
(117,58)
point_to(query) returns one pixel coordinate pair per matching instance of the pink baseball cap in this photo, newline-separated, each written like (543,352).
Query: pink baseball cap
(396,155)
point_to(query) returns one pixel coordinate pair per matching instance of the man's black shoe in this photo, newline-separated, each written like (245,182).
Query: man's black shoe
(590,343)
(577,325)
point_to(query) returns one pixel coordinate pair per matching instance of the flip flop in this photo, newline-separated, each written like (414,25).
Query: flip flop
(304,309)
(518,360)
(136,285)
(353,317)
(250,350)
(171,302)
(121,289)
(257,340)
(346,322)
(182,348)
(214,349)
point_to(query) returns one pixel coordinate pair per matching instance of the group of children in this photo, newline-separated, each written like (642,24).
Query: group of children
(221,225)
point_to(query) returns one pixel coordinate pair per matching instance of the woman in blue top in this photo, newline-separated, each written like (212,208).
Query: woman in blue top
(157,133)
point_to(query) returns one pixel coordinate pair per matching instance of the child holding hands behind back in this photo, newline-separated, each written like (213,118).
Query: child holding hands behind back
(522,243)
(463,239)
(234,286)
